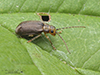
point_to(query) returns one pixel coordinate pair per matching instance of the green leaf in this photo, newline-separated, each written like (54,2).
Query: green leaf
(87,72)
(38,57)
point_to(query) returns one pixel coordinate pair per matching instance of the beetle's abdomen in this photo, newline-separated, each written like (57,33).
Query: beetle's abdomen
(29,28)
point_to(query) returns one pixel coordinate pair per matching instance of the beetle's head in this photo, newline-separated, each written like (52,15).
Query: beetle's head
(52,30)
(49,29)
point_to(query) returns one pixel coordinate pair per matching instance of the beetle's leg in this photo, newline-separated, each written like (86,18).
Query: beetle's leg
(50,41)
(34,38)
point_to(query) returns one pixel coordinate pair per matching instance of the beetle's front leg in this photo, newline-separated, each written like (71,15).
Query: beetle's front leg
(34,38)
(50,41)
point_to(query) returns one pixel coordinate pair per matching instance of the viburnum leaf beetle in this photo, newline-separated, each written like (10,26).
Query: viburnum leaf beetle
(31,28)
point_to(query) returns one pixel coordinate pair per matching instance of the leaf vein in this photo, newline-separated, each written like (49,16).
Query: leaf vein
(60,5)
(38,5)
(90,58)
(82,6)
(22,5)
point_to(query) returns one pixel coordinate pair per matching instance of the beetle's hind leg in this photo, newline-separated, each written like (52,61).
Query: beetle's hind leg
(50,41)
(34,38)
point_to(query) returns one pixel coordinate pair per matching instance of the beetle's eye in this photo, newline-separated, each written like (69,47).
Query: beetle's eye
(51,31)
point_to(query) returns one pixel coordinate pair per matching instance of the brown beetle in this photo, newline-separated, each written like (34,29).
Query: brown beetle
(31,28)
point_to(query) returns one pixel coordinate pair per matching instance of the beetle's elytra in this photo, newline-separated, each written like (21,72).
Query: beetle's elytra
(31,28)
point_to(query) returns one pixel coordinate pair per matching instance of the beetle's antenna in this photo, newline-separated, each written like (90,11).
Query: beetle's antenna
(63,41)
(71,27)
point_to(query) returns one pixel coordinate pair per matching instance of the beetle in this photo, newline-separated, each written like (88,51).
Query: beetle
(31,28)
